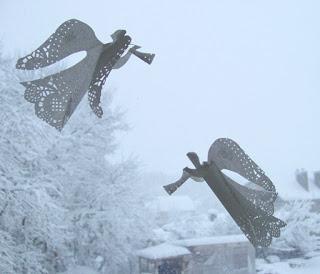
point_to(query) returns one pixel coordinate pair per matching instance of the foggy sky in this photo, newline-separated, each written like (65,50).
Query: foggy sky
(247,70)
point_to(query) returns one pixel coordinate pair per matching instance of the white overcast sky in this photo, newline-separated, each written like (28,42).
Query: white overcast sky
(248,70)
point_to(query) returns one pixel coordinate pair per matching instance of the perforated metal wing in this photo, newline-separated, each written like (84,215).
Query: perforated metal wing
(57,96)
(72,36)
(227,154)
(253,211)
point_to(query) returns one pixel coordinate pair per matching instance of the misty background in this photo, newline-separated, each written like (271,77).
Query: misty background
(247,70)
(92,195)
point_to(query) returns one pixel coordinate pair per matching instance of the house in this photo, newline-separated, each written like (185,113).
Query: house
(231,254)
(163,259)
(303,188)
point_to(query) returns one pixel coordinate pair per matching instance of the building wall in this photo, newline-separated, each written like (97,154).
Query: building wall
(224,258)
(238,258)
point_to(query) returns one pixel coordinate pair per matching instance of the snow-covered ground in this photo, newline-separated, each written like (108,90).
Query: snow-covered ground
(293,266)
(81,270)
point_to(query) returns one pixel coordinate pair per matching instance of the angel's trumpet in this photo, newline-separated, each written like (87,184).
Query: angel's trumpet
(146,57)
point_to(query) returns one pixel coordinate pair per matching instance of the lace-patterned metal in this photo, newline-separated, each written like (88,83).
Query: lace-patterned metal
(252,209)
(227,154)
(57,96)
(71,36)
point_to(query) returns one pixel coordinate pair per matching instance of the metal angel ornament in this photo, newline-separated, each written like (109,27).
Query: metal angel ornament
(57,96)
(251,208)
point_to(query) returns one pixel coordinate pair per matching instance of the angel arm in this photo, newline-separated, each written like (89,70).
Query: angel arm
(171,188)
(124,59)
(187,173)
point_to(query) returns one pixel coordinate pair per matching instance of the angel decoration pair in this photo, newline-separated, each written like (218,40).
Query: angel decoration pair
(57,96)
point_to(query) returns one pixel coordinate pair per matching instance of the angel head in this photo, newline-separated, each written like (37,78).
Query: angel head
(118,34)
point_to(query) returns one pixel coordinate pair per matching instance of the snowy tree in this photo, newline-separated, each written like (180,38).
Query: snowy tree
(105,210)
(302,232)
(31,220)
(196,226)
(61,202)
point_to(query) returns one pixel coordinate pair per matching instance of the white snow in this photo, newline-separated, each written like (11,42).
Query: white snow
(171,203)
(212,240)
(81,270)
(178,248)
(293,266)
(163,251)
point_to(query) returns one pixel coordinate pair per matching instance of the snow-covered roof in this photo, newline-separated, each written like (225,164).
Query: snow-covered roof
(172,203)
(212,240)
(163,251)
(179,248)
(294,191)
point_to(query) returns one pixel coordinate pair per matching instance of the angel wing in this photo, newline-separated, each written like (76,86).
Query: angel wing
(186,175)
(57,96)
(70,37)
(251,209)
(253,213)
(227,154)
